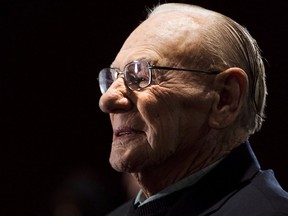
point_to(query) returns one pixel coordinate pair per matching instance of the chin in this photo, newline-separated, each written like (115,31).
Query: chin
(128,163)
(123,166)
(131,157)
(122,162)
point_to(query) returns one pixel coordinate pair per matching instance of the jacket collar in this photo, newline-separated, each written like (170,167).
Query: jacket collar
(215,188)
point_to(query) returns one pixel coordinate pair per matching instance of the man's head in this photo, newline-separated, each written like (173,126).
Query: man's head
(185,119)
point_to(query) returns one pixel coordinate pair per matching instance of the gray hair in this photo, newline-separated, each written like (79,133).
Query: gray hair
(232,46)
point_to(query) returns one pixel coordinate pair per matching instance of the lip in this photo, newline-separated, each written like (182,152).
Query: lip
(126,131)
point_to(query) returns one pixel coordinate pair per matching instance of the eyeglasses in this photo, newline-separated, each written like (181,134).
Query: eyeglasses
(137,75)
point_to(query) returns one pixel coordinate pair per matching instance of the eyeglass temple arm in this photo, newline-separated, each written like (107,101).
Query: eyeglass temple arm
(183,69)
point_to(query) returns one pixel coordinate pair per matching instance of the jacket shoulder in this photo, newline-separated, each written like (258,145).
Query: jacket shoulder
(263,196)
(267,187)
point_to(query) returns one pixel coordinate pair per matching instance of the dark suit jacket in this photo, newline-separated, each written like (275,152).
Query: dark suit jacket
(235,187)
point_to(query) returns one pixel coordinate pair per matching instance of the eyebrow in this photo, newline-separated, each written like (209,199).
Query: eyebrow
(148,60)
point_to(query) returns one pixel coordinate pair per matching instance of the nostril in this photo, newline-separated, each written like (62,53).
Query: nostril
(115,100)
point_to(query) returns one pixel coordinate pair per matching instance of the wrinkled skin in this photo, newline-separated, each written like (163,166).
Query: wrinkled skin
(160,131)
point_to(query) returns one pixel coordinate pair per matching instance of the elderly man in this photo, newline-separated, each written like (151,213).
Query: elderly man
(184,93)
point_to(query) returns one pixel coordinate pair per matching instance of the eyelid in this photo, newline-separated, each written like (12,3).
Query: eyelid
(114,68)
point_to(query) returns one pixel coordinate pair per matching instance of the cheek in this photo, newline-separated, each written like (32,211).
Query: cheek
(173,116)
(161,120)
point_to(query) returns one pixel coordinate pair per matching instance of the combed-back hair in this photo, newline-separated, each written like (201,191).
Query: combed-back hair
(232,46)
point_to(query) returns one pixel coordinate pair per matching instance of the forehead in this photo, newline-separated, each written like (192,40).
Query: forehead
(164,35)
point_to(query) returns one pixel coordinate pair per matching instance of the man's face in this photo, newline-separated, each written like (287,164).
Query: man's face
(168,119)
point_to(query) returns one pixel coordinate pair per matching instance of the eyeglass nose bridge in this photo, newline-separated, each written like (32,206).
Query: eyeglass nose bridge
(118,73)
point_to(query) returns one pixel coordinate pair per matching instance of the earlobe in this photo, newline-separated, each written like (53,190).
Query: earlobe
(230,93)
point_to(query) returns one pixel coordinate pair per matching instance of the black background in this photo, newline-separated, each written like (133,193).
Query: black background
(55,142)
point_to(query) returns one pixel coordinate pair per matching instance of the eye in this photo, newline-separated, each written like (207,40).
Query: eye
(132,78)
(136,81)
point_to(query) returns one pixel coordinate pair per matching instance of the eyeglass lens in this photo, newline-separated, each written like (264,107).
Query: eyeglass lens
(105,79)
(137,75)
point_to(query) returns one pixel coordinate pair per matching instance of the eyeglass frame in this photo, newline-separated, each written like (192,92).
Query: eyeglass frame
(150,68)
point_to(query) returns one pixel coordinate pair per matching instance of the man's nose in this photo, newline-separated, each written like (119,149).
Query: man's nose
(116,99)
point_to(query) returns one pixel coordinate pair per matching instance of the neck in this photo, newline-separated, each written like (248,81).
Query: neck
(182,164)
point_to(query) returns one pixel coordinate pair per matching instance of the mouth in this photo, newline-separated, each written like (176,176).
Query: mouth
(126,131)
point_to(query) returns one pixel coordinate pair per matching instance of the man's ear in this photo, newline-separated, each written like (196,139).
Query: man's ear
(231,87)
